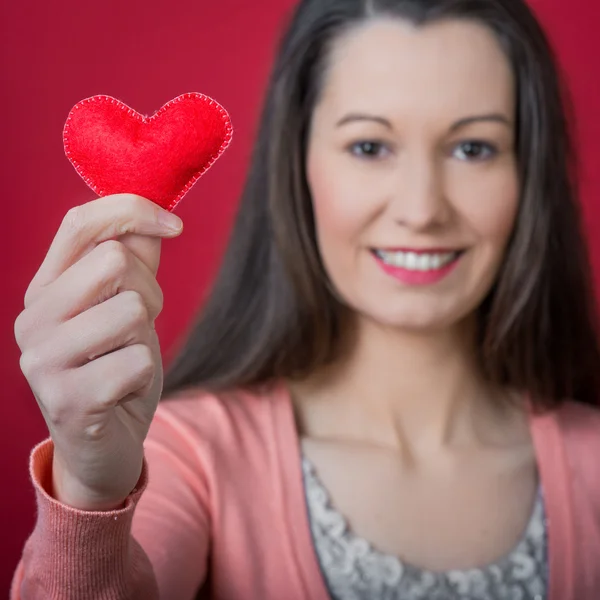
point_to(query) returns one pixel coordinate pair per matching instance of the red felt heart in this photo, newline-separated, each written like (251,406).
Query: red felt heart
(117,150)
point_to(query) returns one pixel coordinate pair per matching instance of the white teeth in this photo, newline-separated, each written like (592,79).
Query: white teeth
(416,262)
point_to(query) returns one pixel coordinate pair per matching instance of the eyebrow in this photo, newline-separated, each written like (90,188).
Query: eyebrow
(494,117)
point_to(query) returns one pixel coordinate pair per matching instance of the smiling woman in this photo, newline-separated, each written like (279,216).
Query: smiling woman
(390,391)
(434,196)
(450,115)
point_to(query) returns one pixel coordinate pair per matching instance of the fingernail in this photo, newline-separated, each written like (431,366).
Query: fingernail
(170,221)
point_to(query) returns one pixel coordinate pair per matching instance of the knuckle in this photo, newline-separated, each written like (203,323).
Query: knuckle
(137,203)
(115,258)
(141,364)
(143,359)
(36,362)
(157,300)
(132,206)
(128,210)
(21,328)
(137,311)
(160,303)
(141,209)
(57,413)
(30,363)
(74,219)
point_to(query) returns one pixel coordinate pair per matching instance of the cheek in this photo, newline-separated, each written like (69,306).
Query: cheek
(341,211)
(490,208)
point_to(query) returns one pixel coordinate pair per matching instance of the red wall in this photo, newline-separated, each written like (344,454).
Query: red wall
(145,53)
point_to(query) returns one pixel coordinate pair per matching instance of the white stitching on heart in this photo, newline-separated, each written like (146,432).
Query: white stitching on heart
(133,113)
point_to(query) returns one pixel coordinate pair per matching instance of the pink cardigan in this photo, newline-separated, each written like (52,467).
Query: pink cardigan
(225,479)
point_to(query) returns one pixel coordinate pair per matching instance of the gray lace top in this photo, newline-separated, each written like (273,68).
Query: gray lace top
(354,570)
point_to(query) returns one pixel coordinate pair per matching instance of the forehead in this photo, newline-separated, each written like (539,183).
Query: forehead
(451,67)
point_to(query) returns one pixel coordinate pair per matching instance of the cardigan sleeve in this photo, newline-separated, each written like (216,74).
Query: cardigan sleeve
(155,546)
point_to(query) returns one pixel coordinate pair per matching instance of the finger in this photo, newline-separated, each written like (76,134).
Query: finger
(107,381)
(90,224)
(119,322)
(102,274)
(146,248)
(133,380)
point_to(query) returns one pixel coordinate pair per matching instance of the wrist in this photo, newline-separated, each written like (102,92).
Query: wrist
(69,491)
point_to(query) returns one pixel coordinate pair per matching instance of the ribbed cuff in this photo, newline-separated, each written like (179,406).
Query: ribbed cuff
(73,549)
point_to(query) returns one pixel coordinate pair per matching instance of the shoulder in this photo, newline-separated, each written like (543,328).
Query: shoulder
(232,442)
(579,423)
(223,423)
(222,407)
(579,429)
(578,426)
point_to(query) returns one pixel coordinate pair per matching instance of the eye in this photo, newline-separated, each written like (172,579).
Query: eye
(368,149)
(474,150)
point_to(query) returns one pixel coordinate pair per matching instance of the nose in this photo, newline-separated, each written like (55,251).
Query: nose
(418,200)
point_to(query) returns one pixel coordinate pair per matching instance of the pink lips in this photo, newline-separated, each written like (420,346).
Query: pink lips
(410,277)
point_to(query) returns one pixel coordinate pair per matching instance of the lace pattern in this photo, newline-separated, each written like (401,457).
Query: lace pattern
(354,570)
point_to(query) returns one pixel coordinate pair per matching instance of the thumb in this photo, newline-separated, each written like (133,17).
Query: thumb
(146,248)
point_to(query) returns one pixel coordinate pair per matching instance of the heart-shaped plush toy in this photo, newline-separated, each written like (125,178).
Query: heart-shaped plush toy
(117,150)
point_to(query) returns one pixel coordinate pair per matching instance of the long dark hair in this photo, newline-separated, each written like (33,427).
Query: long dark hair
(271,313)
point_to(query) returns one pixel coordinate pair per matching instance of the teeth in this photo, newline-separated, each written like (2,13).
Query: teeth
(416,262)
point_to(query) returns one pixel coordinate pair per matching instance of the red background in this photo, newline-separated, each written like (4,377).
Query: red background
(145,53)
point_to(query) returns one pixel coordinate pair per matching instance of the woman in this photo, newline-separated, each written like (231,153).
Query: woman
(391,390)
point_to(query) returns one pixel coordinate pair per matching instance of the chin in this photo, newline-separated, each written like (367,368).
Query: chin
(416,319)
(413,325)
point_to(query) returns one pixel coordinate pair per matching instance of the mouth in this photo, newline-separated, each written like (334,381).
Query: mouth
(417,260)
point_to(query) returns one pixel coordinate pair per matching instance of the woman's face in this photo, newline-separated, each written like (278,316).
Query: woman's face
(412,169)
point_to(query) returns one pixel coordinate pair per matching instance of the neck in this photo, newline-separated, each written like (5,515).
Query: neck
(402,389)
